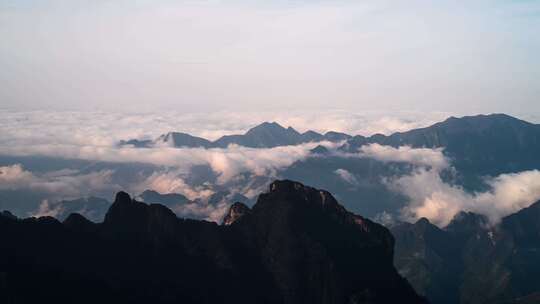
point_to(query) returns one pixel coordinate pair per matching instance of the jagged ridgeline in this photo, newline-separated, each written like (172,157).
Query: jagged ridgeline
(265,135)
(296,245)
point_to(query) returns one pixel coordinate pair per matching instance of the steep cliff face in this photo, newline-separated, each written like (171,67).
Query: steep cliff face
(297,245)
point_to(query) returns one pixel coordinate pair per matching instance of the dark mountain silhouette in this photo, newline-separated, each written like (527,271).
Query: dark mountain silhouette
(265,135)
(470,262)
(296,245)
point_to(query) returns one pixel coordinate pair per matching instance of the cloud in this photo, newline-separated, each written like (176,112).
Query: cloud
(14,176)
(385,218)
(426,157)
(201,210)
(47,209)
(60,184)
(438,201)
(227,163)
(93,136)
(173,182)
(346,176)
(107,128)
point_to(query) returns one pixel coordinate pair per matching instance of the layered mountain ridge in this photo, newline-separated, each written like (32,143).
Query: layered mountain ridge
(296,245)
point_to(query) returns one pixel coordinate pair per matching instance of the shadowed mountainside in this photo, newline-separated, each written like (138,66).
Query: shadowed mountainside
(296,245)
(470,261)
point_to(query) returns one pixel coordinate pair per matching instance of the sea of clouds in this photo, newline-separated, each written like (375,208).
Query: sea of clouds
(93,136)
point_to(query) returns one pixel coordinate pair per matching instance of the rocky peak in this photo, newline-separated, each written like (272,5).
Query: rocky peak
(320,150)
(128,217)
(304,200)
(180,139)
(75,221)
(336,136)
(309,136)
(237,211)
(423,224)
(467,222)
(296,189)
(266,127)
(297,246)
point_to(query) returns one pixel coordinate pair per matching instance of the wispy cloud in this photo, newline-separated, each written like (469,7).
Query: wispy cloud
(433,158)
(346,176)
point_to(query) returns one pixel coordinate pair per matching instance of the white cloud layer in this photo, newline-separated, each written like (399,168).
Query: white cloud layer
(107,128)
(62,184)
(93,136)
(430,197)
(172,182)
(433,158)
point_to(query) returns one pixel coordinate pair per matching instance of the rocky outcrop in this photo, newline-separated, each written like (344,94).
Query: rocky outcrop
(296,245)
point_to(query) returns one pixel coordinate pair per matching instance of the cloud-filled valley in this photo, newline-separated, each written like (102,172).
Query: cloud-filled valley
(416,181)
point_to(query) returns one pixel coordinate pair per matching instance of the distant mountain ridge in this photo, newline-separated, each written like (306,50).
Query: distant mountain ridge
(480,145)
(265,135)
(296,245)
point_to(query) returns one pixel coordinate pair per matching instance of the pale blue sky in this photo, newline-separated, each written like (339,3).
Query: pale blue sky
(464,56)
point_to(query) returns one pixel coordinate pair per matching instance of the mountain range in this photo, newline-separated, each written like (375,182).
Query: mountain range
(478,146)
(265,135)
(471,261)
(296,245)
(468,261)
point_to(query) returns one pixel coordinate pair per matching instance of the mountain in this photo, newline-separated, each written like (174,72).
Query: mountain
(471,262)
(226,196)
(296,245)
(168,200)
(477,145)
(94,208)
(265,135)
(137,143)
(177,139)
(426,256)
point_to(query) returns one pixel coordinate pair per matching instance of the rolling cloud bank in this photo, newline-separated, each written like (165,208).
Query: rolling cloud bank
(93,137)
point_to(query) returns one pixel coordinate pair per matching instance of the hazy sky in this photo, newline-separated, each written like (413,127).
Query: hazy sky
(466,56)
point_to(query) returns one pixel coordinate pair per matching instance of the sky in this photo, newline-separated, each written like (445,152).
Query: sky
(205,56)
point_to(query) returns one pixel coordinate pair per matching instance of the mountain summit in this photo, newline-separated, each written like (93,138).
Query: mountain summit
(296,245)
